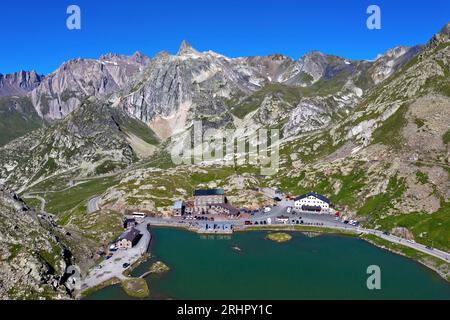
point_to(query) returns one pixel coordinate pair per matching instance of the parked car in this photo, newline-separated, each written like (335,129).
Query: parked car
(289,209)
(125,265)
(247,223)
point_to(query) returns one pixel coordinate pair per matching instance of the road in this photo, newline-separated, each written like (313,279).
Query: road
(113,267)
(417,246)
(42,200)
(309,219)
(92,204)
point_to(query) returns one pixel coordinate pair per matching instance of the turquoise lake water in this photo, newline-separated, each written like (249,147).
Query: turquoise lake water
(320,267)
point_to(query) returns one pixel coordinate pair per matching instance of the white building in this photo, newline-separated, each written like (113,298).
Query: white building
(313,202)
(283,219)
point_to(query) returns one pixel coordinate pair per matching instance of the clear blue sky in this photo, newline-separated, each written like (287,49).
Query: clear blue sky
(34,33)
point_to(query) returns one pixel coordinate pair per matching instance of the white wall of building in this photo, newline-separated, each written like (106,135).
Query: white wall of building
(312,201)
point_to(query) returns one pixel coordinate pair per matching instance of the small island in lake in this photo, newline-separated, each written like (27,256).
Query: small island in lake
(279,237)
(158,267)
(136,287)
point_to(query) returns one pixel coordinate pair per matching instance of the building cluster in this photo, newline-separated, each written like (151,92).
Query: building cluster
(127,239)
(313,202)
(207,201)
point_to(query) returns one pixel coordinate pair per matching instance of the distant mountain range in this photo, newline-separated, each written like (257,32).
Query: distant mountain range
(168,91)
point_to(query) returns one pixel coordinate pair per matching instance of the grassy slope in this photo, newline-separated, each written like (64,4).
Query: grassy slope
(14,123)
(64,201)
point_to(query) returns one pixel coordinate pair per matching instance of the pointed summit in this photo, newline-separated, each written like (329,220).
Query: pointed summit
(445,30)
(185,48)
(440,37)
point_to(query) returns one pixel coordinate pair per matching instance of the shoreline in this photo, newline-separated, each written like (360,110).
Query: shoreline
(420,257)
(298,228)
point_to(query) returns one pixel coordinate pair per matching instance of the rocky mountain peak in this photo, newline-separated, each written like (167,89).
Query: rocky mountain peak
(186,48)
(445,30)
(440,37)
(19,83)
(162,54)
(278,57)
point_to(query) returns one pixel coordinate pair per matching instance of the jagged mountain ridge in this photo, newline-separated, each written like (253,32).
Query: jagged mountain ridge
(65,89)
(19,83)
(169,91)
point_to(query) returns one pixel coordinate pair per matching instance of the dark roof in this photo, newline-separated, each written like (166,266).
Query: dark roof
(314,194)
(209,192)
(129,235)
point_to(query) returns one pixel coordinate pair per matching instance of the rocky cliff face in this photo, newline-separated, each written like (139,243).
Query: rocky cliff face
(170,91)
(64,90)
(32,262)
(19,83)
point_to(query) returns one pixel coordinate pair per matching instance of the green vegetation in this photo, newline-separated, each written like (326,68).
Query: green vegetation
(429,229)
(136,287)
(105,284)
(109,166)
(63,201)
(292,185)
(381,203)
(100,226)
(17,121)
(136,127)
(49,258)
(446,137)
(301,228)
(390,132)
(279,237)
(14,250)
(289,94)
(352,184)
(52,257)
(33,203)
(159,267)
(422,177)
(306,78)
(419,122)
